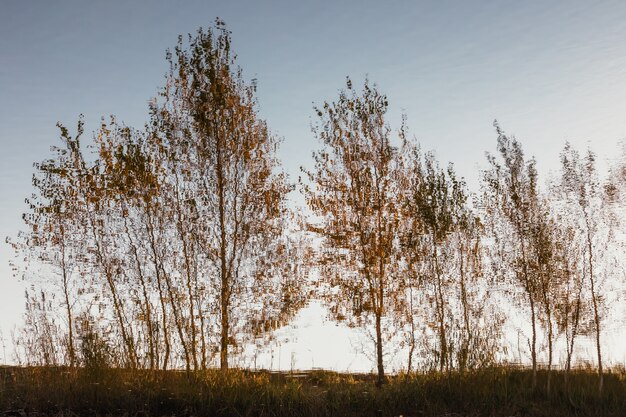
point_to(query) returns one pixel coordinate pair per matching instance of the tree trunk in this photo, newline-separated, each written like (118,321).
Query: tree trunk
(379,351)
(147,310)
(467,342)
(412,337)
(443,344)
(117,307)
(594,300)
(162,299)
(161,274)
(68,306)
(190,294)
(533,346)
(225,282)
(550,337)
(597,323)
(570,351)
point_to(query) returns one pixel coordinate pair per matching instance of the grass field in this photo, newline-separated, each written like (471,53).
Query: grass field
(499,391)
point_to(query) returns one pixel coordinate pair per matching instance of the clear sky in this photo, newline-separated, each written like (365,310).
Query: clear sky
(548,71)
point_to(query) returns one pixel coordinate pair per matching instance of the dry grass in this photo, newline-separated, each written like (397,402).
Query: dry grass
(499,391)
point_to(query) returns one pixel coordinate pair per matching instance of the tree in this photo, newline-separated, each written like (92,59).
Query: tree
(511,204)
(570,308)
(135,199)
(476,319)
(442,249)
(353,192)
(436,198)
(175,233)
(585,204)
(54,235)
(207,123)
(543,260)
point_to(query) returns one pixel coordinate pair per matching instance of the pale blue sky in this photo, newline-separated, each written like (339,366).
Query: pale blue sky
(548,71)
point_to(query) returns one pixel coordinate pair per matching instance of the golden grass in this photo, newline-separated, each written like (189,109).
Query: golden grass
(497,391)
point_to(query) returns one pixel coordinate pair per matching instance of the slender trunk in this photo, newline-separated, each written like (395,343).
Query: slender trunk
(594,300)
(379,313)
(166,336)
(412,336)
(545,283)
(147,309)
(202,330)
(203,344)
(117,308)
(596,317)
(533,347)
(161,274)
(530,290)
(162,299)
(68,306)
(224,301)
(379,350)
(192,319)
(177,318)
(127,338)
(440,311)
(550,337)
(190,294)
(224,278)
(381,275)
(597,322)
(570,350)
(466,343)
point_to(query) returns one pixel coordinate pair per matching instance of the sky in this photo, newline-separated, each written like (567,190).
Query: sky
(547,71)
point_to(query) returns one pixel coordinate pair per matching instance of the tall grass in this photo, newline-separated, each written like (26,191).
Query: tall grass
(498,391)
